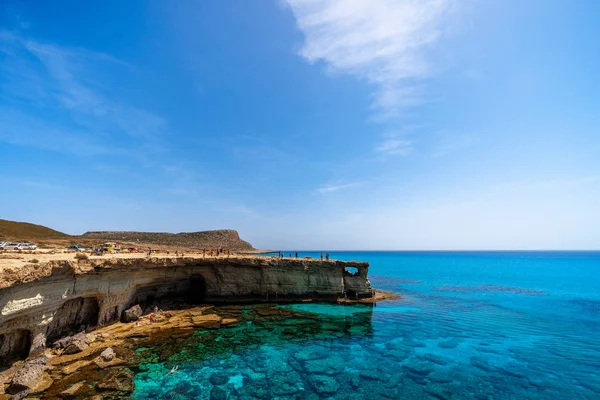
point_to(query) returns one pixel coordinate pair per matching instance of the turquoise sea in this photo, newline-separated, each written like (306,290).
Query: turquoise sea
(470,325)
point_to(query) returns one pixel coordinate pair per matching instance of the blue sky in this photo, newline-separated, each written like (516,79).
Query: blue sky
(350,124)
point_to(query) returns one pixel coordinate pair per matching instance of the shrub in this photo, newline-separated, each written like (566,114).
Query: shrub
(81,256)
(34,261)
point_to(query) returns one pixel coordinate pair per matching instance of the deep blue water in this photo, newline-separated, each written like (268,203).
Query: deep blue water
(481,325)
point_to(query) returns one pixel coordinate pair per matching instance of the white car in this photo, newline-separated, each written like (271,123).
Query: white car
(10,245)
(23,246)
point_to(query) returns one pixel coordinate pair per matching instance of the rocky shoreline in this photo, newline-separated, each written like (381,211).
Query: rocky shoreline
(42,303)
(101,364)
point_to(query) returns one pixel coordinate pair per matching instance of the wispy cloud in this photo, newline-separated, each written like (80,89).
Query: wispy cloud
(383,42)
(68,94)
(325,189)
(395,146)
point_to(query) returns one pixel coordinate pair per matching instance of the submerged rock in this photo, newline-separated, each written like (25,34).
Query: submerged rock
(219,378)
(118,379)
(323,384)
(284,384)
(449,344)
(218,394)
(308,354)
(418,368)
(327,366)
(132,314)
(371,375)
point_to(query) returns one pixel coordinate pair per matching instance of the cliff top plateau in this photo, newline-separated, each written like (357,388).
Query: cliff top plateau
(27,232)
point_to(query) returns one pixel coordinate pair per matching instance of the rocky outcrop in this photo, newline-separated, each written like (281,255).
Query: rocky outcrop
(132,314)
(29,376)
(222,238)
(73,344)
(107,355)
(40,303)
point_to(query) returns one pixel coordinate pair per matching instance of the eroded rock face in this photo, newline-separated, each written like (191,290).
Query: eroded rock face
(73,316)
(60,298)
(132,314)
(29,376)
(14,345)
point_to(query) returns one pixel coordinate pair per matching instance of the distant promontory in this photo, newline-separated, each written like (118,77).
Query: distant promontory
(221,238)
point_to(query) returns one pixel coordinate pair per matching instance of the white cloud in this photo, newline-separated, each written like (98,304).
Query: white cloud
(76,87)
(395,147)
(381,41)
(325,189)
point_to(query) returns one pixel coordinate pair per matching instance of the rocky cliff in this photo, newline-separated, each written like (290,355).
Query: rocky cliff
(39,303)
(222,238)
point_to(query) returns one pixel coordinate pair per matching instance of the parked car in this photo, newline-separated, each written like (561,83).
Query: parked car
(29,246)
(76,248)
(11,246)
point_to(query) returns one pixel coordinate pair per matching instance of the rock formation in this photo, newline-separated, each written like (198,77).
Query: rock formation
(222,238)
(29,375)
(40,303)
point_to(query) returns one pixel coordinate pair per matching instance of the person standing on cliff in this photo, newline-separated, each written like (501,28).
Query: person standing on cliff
(149,251)
(321,256)
(327,256)
(296,254)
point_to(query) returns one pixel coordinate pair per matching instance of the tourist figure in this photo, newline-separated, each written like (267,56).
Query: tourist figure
(321,256)
(296,254)
(327,256)
(149,251)
(173,370)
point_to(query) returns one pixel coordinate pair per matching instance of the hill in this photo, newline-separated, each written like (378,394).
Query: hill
(24,231)
(223,238)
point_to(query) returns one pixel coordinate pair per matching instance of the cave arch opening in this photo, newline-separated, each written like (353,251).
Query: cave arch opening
(73,316)
(170,294)
(14,345)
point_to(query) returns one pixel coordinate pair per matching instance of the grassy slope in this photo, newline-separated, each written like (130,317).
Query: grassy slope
(24,231)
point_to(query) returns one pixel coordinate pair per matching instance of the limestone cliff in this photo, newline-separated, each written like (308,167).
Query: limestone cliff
(40,303)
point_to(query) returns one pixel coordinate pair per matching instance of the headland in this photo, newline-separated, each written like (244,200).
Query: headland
(57,300)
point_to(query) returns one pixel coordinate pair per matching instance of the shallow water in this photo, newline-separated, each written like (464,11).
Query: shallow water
(471,325)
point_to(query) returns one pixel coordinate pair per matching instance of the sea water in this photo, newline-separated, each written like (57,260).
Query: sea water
(470,325)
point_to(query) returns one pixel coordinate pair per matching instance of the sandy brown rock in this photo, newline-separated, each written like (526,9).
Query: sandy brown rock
(119,379)
(107,355)
(74,390)
(75,344)
(29,375)
(132,314)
